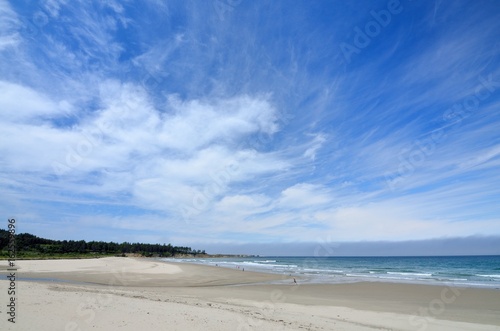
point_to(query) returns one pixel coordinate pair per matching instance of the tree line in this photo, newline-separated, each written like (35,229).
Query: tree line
(28,245)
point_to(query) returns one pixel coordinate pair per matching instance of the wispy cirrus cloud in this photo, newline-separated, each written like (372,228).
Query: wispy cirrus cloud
(9,23)
(250,128)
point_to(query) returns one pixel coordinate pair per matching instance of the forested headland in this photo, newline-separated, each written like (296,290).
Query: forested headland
(29,246)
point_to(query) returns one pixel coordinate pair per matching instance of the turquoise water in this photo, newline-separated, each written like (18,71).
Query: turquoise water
(470,271)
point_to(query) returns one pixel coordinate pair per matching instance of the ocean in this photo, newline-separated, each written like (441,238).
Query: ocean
(468,271)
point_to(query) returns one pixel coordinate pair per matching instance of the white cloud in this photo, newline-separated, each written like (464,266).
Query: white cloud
(393,222)
(21,103)
(243,202)
(9,24)
(208,136)
(481,157)
(302,196)
(318,141)
(164,159)
(194,124)
(53,6)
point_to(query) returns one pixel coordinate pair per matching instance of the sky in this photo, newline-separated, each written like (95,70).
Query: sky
(237,125)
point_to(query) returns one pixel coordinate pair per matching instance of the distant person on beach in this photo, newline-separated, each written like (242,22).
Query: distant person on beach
(294,281)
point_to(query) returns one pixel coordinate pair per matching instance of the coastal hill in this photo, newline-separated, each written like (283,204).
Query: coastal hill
(29,246)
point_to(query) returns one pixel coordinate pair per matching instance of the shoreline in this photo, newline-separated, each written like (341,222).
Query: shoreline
(127,293)
(346,279)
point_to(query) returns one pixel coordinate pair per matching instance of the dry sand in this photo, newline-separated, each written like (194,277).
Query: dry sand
(143,294)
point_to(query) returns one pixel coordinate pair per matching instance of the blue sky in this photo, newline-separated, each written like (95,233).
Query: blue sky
(265,122)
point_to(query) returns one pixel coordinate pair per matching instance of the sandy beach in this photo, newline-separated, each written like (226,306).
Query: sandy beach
(144,294)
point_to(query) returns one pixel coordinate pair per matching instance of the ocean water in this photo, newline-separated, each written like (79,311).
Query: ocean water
(468,271)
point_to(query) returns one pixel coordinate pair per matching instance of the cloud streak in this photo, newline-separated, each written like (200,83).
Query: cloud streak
(252,128)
